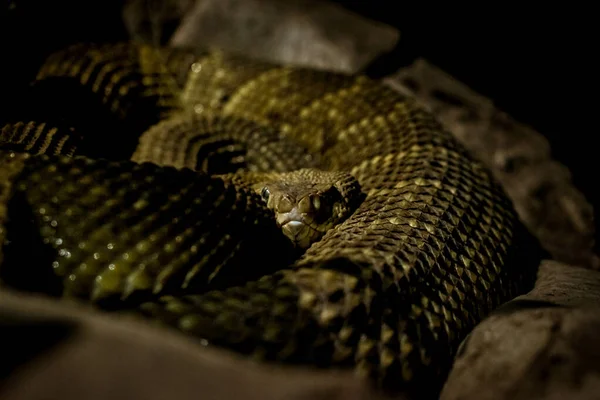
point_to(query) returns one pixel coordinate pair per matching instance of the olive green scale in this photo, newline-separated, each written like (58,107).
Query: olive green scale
(220,144)
(118,232)
(394,289)
(391,291)
(37,137)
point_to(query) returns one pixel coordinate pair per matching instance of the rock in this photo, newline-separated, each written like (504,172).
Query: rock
(303,32)
(541,188)
(565,285)
(542,345)
(154,22)
(52,350)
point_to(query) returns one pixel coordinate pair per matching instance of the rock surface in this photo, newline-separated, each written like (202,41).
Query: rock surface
(152,21)
(542,345)
(51,350)
(302,32)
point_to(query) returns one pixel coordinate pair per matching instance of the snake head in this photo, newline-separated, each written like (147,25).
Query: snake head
(307,206)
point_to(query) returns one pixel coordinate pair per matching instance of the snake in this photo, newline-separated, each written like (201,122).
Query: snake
(288,214)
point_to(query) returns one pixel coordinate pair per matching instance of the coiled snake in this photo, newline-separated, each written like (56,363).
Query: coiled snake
(414,241)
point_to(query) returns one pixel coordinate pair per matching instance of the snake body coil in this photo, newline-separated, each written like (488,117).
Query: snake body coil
(391,291)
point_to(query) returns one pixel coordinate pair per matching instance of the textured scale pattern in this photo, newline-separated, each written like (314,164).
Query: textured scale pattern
(219,144)
(212,79)
(403,279)
(117,230)
(136,83)
(390,292)
(40,138)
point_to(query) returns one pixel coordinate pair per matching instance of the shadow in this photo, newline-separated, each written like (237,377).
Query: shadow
(25,338)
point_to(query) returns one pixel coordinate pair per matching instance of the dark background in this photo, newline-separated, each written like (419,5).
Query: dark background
(535,62)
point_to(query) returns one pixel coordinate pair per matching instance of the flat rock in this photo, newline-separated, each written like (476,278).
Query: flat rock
(542,345)
(302,32)
(53,350)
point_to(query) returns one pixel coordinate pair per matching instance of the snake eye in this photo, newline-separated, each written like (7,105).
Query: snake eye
(265,194)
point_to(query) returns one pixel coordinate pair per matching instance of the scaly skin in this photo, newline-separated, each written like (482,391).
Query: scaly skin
(40,138)
(116,233)
(219,144)
(393,289)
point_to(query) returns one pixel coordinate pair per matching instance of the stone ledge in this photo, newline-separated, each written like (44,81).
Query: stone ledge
(310,33)
(83,354)
(542,345)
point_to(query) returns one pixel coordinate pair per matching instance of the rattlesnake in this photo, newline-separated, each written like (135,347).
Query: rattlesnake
(390,291)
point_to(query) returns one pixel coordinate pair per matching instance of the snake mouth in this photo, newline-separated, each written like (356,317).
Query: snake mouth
(301,234)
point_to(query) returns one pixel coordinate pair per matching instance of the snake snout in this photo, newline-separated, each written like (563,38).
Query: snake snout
(294,227)
(299,233)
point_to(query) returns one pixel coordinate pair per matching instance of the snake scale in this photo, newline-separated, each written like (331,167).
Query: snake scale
(179,234)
